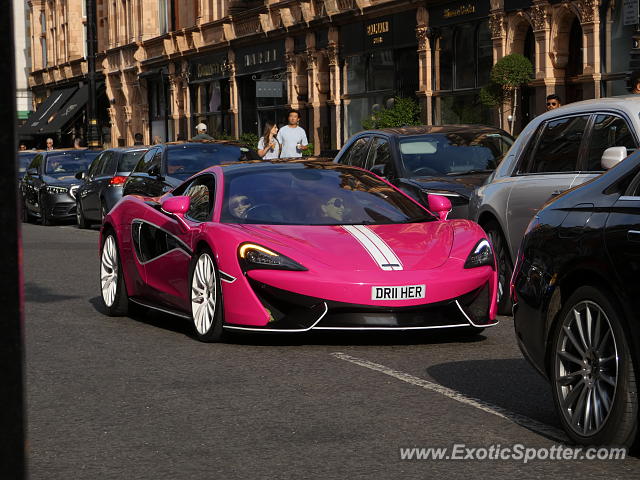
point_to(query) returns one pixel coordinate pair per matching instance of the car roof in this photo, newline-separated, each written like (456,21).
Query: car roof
(627,103)
(234,143)
(129,149)
(426,129)
(279,164)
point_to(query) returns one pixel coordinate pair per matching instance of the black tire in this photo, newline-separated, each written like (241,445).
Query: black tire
(619,426)
(45,219)
(81,221)
(505,267)
(215,332)
(120,305)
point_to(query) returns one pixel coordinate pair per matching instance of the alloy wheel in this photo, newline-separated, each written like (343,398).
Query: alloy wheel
(204,294)
(586,368)
(109,271)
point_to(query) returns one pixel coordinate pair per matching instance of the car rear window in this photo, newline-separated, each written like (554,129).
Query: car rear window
(189,159)
(129,160)
(442,154)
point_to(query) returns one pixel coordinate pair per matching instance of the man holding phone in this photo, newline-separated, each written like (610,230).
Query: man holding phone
(292,137)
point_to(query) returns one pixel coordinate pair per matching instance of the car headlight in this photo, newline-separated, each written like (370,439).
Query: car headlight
(56,190)
(481,255)
(254,257)
(73,190)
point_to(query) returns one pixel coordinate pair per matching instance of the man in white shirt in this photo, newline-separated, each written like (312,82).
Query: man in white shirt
(292,138)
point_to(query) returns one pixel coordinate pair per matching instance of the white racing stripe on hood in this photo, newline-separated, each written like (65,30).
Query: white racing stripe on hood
(375,246)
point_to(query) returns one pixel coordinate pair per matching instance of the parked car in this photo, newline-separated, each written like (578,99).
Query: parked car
(49,186)
(24,159)
(448,160)
(102,183)
(557,150)
(299,245)
(167,165)
(576,293)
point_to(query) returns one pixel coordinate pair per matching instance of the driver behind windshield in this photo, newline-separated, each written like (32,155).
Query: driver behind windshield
(333,209)
(238,206)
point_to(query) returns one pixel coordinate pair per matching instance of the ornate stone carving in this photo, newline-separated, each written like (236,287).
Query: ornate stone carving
(539,16)
(422,37)
(332,54)
(312,58)
(586,10)
(290,61)
(496,24)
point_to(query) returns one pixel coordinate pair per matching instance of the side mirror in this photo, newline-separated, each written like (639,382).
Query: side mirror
(613,156)
(81,175)
(378,170)
(32,171)
(176,205)
(439,205)
(155,172)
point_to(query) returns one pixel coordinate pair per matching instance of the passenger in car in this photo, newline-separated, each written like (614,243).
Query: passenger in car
(238,206)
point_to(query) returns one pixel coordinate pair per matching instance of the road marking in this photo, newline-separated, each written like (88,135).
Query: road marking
(522,420)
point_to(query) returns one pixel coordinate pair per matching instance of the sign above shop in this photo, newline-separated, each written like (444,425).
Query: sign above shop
(394,31)
(630,12)
(458,12)
(211,67)
(260,58)
(269,89)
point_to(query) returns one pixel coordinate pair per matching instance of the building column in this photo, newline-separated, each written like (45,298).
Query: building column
(590,21)
(545,81)
(335,90)
(425,91)
(234,97)
(314,99)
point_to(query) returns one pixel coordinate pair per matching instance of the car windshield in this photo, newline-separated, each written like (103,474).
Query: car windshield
(129,160)
(190,158)
(320,194)
(24,159)
(69,163)
(450,154)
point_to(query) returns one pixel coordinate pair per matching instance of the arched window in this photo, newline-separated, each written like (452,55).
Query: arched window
(574,63)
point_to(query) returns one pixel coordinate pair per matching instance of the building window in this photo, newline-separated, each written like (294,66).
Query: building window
(615,48)
(464,56)
(164,12)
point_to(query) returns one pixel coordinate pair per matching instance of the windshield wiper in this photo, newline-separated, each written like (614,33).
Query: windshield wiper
(468,172)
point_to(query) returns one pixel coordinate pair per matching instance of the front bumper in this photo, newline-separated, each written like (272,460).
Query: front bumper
(292,312)
(59,205)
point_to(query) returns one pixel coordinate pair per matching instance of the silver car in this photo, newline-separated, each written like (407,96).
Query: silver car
(558,150)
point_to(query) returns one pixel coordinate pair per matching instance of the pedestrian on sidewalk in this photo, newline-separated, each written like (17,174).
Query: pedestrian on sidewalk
(201,130)
(292,137)
(269,146)
(634,82)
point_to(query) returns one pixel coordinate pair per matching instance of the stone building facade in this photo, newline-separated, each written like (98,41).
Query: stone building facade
(170,64)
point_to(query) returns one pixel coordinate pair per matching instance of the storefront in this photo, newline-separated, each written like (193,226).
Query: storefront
(158,100)
(462,51)
(210,93)
(620,24)
(262,85)
(380,62)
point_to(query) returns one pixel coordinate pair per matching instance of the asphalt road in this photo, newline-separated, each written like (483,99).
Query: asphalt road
(129,398)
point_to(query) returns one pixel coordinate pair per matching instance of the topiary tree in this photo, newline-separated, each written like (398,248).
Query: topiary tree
(507,76)
(405,111)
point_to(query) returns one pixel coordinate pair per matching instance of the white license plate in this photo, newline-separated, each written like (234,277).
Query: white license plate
(404,292)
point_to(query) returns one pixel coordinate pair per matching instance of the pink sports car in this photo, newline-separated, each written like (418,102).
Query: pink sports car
(293,246)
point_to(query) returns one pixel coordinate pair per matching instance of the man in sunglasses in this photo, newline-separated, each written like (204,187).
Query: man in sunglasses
(553,102)
(634,82)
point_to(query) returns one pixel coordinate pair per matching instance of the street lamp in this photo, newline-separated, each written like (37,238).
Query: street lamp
(93,131)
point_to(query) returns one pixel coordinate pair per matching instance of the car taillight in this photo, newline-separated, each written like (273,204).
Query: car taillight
(118,180)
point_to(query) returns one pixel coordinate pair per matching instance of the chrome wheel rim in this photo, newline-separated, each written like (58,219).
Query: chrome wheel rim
(78,216)
(502,277)
(109,271)
(203,294)
(586,368)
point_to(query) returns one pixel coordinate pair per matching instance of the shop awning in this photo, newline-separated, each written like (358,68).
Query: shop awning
(46,112)
(68,112)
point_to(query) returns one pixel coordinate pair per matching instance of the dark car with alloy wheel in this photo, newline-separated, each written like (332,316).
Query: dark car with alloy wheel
(167,165)
(102,183)
(48,187)
(576,295)
(446,160)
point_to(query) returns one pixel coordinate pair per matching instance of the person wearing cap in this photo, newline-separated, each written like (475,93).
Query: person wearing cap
(201,130)
(634,82)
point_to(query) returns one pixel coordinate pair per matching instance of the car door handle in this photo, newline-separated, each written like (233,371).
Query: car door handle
(555,193)
(633,235)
